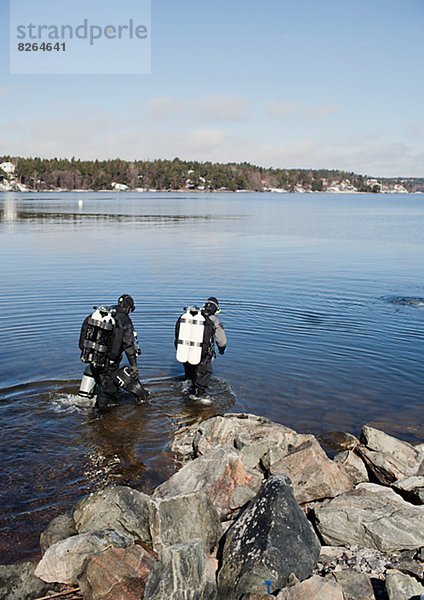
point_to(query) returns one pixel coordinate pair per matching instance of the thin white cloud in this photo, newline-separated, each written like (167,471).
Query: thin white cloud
(281,109)
(204,109)
(164,107)
(278,109)
(6,89)
(99,136)
(221,108)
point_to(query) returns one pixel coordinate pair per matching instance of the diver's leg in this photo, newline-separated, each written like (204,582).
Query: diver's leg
(202,376)
(189,371)
(107,389)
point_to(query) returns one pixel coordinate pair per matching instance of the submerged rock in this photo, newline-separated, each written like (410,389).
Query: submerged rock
(372,516)
(338,440)
(120,508)
(313,475)
(63,562)
(220,475)
(117,574)
(271,540)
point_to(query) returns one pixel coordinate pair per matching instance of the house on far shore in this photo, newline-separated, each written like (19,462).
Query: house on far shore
(8,167)
(119,187)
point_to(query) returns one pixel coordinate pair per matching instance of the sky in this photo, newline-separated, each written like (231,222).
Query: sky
(284,83)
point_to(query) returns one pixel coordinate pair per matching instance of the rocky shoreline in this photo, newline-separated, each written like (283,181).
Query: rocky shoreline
(256,510)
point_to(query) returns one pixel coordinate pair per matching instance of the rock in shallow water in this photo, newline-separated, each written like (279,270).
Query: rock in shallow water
(269,541)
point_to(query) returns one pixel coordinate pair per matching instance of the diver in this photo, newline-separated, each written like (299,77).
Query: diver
(196,333)
(105,335)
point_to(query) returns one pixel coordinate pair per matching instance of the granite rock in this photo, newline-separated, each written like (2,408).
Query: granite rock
(117,573)
(372,516)
(220,475)
(120,508)
(271,540)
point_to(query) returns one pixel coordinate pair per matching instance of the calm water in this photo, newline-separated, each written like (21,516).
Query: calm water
(322,299)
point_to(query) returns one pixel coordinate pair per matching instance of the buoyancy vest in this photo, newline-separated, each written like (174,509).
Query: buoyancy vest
(97,336)
(194,336)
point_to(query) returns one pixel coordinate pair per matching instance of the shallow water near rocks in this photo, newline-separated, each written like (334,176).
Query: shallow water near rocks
(322,298)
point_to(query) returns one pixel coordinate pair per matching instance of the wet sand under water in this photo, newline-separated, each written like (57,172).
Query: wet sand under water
(68,450)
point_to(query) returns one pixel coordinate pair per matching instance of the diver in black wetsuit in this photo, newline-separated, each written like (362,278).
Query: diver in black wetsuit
(110,377)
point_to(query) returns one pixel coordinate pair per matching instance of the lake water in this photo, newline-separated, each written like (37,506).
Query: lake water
(322,299)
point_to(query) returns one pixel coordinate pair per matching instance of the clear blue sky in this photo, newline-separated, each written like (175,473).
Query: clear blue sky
(284,83)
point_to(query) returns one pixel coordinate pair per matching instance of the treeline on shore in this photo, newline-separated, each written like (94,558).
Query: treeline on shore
(73,174)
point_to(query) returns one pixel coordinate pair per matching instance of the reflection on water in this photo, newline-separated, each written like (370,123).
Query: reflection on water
(10,211)
(321,298)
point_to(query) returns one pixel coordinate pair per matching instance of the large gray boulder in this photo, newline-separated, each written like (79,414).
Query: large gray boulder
(314,588)
(270,540)
(63,562)
(59,528)
(371,516)
(184,572)
(402,587)
(253,436)
(183,519)
(117,573)
(388,458)
(18,582)
(313,475)
(120,508)
(220,475)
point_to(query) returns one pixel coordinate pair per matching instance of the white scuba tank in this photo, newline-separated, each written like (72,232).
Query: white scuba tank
(190,336)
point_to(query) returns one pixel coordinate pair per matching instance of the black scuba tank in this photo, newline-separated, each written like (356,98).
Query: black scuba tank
(97,335)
